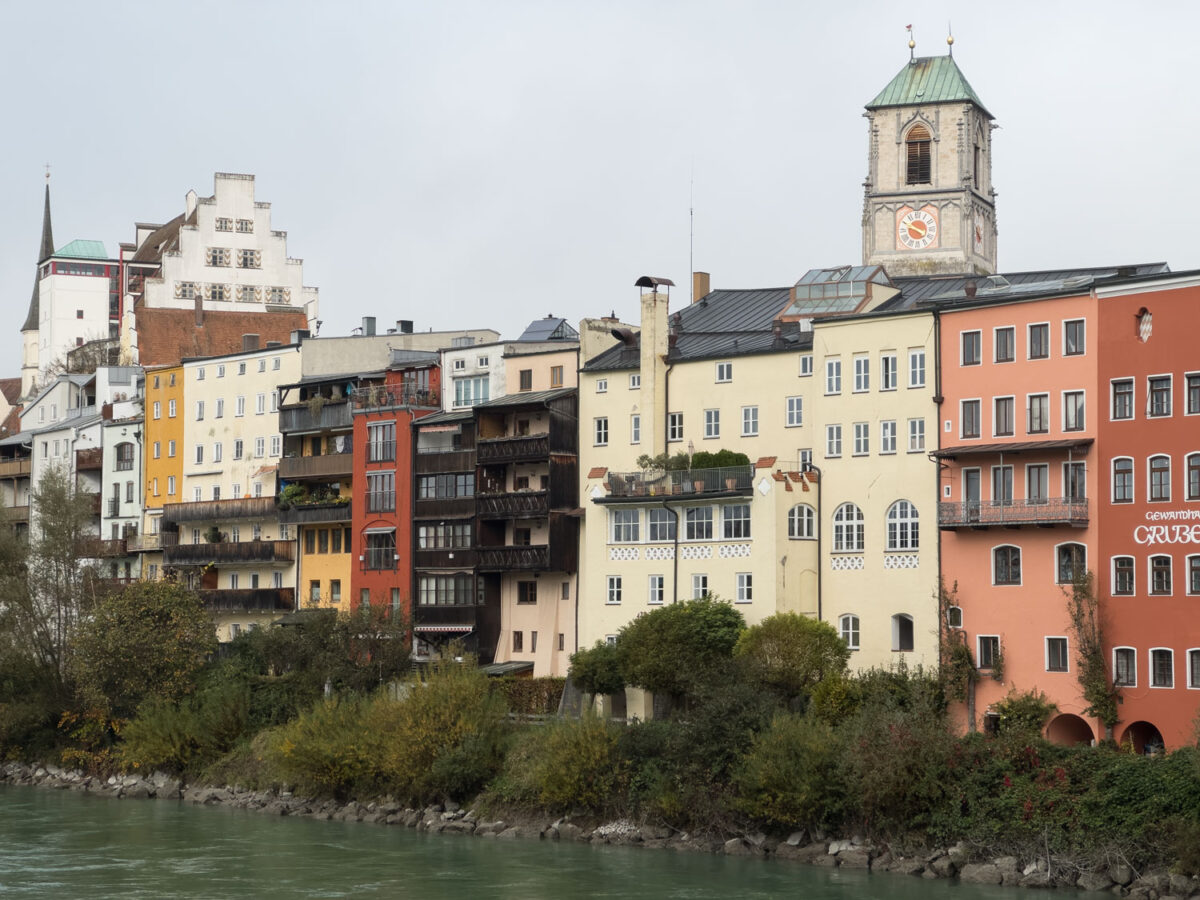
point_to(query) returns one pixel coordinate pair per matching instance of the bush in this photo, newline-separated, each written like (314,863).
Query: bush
(1024,713)
(180,737)
(531,696)
(579,764)
(790,775)
(335,748)
(791,653)
(598,670)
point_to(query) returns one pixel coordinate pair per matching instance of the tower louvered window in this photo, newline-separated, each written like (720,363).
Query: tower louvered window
(918,146)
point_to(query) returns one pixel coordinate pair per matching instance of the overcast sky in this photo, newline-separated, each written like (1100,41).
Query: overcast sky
(483,164)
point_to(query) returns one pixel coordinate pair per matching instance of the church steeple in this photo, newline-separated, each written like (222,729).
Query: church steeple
(929,207)
(44,253)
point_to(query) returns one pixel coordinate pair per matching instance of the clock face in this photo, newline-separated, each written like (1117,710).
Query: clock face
(978,233)
(917,229)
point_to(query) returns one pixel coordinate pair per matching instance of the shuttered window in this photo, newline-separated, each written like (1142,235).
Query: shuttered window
(917,143)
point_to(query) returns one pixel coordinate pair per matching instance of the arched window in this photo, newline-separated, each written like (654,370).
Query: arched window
(124,456)
(1160,478)
(954,616)
(919,170)
(1006,565)
(802,522)
(1193,476)
(1122,480)
(1160,575)
(902,530)
(1071,562)
(902,632)
(848,629)
(848,529)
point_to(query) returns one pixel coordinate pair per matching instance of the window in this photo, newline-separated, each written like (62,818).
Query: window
(199,453)
(614,589)
(698,521)
(954,616)
(239,408)
(1122,398)
(675,426)
(1005,344)
(712,423)
(1075,480)
(1002,485)
(902,633)
(887,437)
(862,374)
(245,226)
(216,456)
(972,351)
(833,440)
(806,365)
(795,412)
(833,376)
(624,525)
(916,435)
(660,523)
(469,391)
(889,377)
(805,459)
(518,642)
(1002,421)
(446,486)
(1123,576)
(157,449)
(1160,575)
(601,385)
(223,224)
(249,259)
(745,587)
(1037,483)
(1122,483)
(381,491)
(988,651)
(1039,341)
(600,431)
(970,418)
(1159,389)
(916,368)
(918,158)
(1193,394)
(1006,565)
(1160,479)
(381,550)
(655,590)
(170,485)
(902,526)
(241,368)
(482,362)
(724,371)
(802,523)
(526,592)
(1193,575)
(1072,562)
(1192,464)
(170,409)
(460,365)
(1124,667)
(526,379)
(157,410)
(1073,411)
(862,438)
(1039,414)
(735,521)
(1194,668)
(260,446)
(848,529)
(197,494)
(323,540)
(848,630)
(1056,654)
(237,449)
(1073,337)
(749,421)
(260,404)
(381,442)
(219,410)
(1162,668)
(216,256)
(699,586)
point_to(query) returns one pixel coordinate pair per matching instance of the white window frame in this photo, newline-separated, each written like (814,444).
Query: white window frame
(674,427)
(600,431)
(1150,659)
(635,428)
(887,437)
(962,419)
(962,347)
(745,587)
(601,385)
(1012,330)
(712,424)
(1150,379)
(724,372)
(699,585)
(802,523)
(1080,411)
(795,412)
(749,421)
(833,376)
(635,381)
(862,373)
(833,441)
(1066,653)
(1133,669)
(655,590)
(613,591)
(916,429)
(850,630)
(806,365)
(1029,357)
(889,374)
(862,438)
(1012,401)
(1065,326)
(916,367)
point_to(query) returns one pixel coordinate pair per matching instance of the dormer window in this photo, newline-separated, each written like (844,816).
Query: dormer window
(918,146)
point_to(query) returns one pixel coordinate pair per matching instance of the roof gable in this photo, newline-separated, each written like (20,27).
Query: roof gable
(928,79)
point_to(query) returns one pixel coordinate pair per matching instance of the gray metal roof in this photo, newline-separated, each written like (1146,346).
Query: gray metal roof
(1009,285)
(526,398)
(442,418)
(551,328)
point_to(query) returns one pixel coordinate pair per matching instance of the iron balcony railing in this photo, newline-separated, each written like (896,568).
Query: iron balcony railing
(229,552)
(986,513)
(738,479)
(112,507)
(514,558)
(512,449)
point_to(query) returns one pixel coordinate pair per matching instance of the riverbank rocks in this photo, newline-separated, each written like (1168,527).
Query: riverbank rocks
(980,873)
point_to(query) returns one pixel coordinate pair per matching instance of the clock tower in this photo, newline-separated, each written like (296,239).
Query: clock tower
(929,207)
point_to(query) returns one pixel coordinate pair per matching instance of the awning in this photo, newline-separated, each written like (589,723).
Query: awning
(508,668)
(380,530)
(432,428)
(1013,447)
(446,628)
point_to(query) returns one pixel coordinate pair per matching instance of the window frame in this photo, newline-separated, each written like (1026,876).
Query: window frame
(712,424)
(1160,387)
(1160,575)
(977,404)
(744,582)
(1029,340)
(1010,333)
(902,523)
(970,347)
(1074,410)
(833,376)
(995,650)
(1163,480)
(1119,574)
(1010,580)
(849,529)
(850,630)
(1059,558)
(1081,350)
(1010,401)
(862,373)
(1123,480)
(802,523)
(794,412)
(1153,657)
(1130,679)
(916,366)
(600,431)
(749,421)
(613,587)
(1052,640)
(1121,399)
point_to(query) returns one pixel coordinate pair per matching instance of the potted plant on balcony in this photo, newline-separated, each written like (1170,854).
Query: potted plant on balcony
(291,495)
(214,535)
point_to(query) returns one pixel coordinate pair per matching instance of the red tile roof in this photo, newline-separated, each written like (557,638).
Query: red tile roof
(166,336)
(765,462)
(597,472)
(11,389)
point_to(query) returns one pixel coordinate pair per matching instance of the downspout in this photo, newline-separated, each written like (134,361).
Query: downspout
(675,553)
(666,440)
(820,533)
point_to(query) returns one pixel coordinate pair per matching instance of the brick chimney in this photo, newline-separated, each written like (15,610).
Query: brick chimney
(655,336)
(701,285)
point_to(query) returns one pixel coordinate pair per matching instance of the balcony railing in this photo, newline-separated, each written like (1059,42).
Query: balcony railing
(313,513)
(519,504)
(229,552)
(300,417)
(143,543)
(444,615)
(739,479)
(94,548)
(89,460)
(212,510)
(988,513)
(249,599)
(512,449)
(444,558)
(382,398)
(15,513)
(95,500)
(16,468)
(514,558)
(328,465)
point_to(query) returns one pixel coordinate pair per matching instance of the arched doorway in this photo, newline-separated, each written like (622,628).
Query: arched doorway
(1069,730)
(1144,737)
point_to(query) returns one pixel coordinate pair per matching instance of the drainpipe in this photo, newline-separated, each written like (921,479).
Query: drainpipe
(675,574)
(809,467)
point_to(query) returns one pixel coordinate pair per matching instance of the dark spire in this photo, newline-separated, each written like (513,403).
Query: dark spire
(46,251)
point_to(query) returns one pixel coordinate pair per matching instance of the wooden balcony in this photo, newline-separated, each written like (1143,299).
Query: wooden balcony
(95,500)
(89,460)
(513,449)
(16,468)
(14,513)
(378,397)
(249,599)
(452,507)
(216,510)
(991,514)
(95,548)
(298,418)
(328,465)
(315,513)
(229,553)
(447,461)
(144,543)
(516,505)
(513,559)
(431,617)
(456,558)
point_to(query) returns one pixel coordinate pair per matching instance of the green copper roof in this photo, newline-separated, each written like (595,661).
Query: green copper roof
(927,79)
(83,250)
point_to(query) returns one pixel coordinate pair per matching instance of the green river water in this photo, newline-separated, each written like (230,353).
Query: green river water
(62,844)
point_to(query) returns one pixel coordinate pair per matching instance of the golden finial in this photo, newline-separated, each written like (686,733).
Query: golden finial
(911,43)
(950,38)
(47,173)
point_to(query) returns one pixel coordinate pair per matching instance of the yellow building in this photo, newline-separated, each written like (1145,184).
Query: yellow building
(164,394)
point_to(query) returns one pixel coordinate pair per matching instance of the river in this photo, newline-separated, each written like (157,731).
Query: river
(64,844)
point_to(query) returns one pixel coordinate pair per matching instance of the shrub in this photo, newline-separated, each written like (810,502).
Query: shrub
(791,653)
(531,696)
(579,764)
(790,775)
(333,749)
(836,699)
(1024,713)
(598,670)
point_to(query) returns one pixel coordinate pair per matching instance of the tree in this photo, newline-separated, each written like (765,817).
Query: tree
(792,653)
(1100,694)
(672,650)
(597,670)
(145,642)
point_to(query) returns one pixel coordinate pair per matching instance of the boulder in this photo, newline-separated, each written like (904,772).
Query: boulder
(1094,881)
(568,832)
(980,873)
(1121,873)
(738,847)
(943,867)
(907,866)
(795,839)
(854,859)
